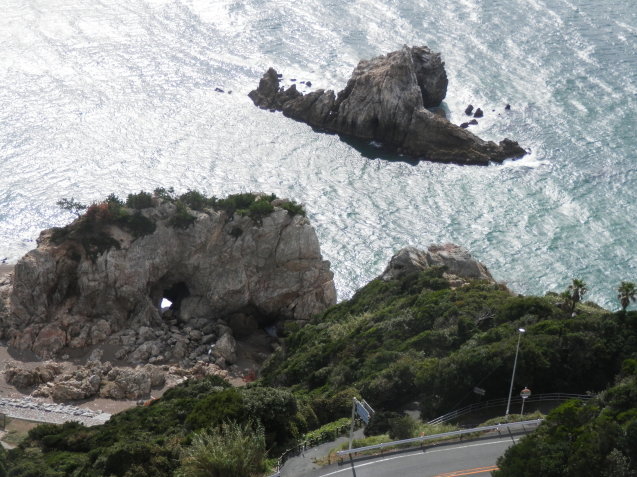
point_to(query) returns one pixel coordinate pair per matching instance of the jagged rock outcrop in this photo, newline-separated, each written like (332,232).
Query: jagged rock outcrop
(97,379)
(23,378)
(385,100)
(459,265)
(73,293)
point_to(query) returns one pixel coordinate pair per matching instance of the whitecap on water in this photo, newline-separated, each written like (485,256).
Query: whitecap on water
(530,160)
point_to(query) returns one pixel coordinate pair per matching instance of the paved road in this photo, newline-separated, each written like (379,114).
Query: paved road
(475,458)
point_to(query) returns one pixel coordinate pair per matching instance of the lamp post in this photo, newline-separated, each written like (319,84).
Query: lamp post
(515,363)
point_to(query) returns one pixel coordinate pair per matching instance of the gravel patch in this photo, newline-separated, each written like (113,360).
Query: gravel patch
(33,410)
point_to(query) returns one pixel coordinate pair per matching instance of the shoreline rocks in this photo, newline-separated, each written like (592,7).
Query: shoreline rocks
(386,100)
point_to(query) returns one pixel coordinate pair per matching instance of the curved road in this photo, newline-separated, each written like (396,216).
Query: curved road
(475,458)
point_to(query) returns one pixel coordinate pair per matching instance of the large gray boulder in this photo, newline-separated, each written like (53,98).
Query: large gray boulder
(385,100)
(64,295)
(459,265)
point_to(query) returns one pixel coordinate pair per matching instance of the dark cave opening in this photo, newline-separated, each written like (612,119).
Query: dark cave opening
(174,295)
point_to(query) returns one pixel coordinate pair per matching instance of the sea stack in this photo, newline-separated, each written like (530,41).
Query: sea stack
(386,100)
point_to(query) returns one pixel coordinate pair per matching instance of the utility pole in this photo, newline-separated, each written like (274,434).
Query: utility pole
(515,362)
(351,429)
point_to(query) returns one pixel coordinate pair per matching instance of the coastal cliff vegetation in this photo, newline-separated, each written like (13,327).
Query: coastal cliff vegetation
(419,339)
(91,229)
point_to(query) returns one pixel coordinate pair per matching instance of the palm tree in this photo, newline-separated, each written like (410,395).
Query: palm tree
(626,292)
(576,290)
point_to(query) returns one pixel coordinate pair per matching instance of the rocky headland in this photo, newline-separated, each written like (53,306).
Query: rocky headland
(88,299)
(386,100)
(228,272)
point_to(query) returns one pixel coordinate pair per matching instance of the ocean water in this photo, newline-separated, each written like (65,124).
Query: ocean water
(119,96)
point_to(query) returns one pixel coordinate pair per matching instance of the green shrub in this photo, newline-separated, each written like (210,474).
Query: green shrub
(380,423)
(234,202)
(120,457)
(20,465)
(137,224)
(141,200)
(213,409)
(71,205)
(112,199)
(230,450)
(65,462)
(293,208)
(96,244)
(196,388)
(260,209)
(167,195)
(403,427)
(182,219)
(196,200)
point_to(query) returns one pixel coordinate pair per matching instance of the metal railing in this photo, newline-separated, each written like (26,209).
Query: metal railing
(503,401)
(415,440)
(305,444)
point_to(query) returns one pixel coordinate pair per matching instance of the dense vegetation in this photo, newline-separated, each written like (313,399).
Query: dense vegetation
(419,339)
(598,438)
(179,430)
(90,230)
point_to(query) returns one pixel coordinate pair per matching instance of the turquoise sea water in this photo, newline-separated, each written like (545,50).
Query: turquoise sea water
(100,97)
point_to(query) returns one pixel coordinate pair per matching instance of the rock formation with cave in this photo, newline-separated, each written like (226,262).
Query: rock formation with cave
(226,275)
(385,100)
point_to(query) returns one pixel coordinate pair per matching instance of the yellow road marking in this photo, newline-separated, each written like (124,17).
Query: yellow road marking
(476,470)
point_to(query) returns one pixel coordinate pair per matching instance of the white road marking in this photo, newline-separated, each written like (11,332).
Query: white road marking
(386,459)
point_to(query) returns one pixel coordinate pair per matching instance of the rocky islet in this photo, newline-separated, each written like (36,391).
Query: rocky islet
(386,100)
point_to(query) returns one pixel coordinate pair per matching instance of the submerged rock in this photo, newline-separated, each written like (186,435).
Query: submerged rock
(385,100)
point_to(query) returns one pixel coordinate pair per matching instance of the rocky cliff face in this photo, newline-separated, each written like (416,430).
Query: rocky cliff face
(223,269)
(385,100)
(459,265)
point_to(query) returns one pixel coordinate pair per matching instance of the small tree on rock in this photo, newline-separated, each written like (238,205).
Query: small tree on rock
(576,290)
(71,205)
(626,292)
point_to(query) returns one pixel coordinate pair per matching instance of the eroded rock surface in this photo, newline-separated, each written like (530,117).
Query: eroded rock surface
(66,295)
(97,379)
(385,100)
(459,265)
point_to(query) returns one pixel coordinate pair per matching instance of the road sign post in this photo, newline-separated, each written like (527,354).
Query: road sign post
(524,394)
(363,411)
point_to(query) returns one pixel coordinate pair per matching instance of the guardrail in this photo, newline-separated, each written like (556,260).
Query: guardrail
(503,401)
(422,439)
(301,446)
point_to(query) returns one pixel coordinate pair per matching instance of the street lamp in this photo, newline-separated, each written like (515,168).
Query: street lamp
(515,363)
